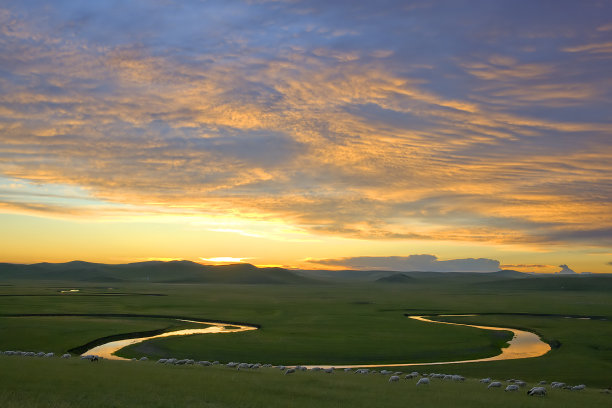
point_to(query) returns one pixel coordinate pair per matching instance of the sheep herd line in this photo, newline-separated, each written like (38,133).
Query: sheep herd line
(422,379)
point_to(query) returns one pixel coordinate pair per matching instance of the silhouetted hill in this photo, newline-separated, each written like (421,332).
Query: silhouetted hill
(156,271)
(397,278)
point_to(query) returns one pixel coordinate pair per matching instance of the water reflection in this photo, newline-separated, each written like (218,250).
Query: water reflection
(524,344)
(108,350)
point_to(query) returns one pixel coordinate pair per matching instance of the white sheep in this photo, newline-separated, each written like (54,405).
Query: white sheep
(66,355)
(394,378)
(485,380)
(520,383)
(290,371)
(329,370)
(512,387)
(578,387)
(423,381)
(556,384)
(494,384)
(539,391)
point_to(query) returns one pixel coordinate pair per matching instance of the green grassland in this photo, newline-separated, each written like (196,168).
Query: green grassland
(324,323)
(76,383)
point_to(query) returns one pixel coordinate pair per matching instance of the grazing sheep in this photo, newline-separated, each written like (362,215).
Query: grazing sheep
(494,384)
(215,362)
(39,354)
(485,380)
(231,364)
(556,384)
(512,387)
(539,391)
(66,355)
(385,372)
(578,387)
(520,383)
(329,370)
(543,382)
(458,378)
(347,370)
(49,355)
(318,369)
(204,363)
(409,376)
(290,371)
(394,378)
(423,381)
(281,367)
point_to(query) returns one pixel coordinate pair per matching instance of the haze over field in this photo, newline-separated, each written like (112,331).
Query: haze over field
(445,135)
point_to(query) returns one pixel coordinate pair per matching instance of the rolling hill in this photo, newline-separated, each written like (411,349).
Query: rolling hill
(155,271)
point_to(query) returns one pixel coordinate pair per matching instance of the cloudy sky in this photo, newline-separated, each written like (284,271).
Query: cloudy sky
(308,133)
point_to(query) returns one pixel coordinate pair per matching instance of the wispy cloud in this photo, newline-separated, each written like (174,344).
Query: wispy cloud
(325,121)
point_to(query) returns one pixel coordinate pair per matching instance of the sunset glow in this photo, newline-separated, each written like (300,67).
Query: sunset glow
(308,134)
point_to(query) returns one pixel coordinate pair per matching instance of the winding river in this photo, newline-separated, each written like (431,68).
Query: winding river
(108,350)
(524,344)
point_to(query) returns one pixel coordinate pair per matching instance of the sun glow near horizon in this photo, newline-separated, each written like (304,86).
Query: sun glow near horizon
(323,137)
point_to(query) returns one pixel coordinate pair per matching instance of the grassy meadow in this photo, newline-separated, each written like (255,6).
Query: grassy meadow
(325,323)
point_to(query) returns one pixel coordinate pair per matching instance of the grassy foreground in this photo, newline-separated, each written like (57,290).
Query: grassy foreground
(300,324)
(31,382)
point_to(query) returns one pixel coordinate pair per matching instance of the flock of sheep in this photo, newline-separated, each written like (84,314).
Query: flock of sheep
(423,379)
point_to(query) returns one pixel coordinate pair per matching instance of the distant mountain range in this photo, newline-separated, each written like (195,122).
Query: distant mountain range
(191,272)
(153,271)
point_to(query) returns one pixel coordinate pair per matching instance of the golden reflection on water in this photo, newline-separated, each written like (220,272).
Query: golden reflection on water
(524,344)
(107,350)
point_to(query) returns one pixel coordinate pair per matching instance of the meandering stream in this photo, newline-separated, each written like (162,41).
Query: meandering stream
(524,344)
(108,350)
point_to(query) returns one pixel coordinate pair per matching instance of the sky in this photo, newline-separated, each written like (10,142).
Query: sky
(309,134)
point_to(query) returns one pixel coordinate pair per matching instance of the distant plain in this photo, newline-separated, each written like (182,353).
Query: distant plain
(302,321)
